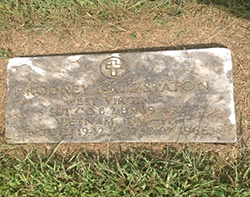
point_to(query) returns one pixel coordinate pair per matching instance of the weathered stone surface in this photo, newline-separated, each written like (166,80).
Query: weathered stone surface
(164,96)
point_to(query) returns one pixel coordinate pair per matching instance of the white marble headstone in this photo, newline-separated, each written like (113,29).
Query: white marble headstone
(160,96)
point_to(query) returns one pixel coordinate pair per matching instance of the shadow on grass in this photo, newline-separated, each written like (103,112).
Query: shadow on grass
(240,8)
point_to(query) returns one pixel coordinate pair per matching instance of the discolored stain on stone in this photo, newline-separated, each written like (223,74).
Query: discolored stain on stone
(162,96)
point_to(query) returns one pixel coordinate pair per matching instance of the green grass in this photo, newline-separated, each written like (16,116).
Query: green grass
(4,53)
(30,14)
(240,8)
(127,173)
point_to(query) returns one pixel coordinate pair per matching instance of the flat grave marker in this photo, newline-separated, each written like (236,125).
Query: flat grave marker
(157,96)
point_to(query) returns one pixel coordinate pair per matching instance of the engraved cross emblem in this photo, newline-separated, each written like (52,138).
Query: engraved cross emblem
(113,65)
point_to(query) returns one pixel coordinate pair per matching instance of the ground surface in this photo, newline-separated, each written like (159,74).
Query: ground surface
(134,25)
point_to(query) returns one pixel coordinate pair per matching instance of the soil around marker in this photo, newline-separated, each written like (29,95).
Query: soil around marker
(200,24)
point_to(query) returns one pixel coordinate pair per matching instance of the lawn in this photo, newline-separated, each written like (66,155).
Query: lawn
(36,27)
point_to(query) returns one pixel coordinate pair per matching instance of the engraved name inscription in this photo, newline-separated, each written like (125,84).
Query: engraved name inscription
(166,86)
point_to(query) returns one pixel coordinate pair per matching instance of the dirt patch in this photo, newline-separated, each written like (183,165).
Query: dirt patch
(200,24)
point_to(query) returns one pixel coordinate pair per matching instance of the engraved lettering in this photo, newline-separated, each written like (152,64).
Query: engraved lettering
(204,85)
(147,87)
(76,89)
(108,100)
(113,110)
(151,109)
(85,88)
(124,110)
(89,111)
(188,86)
(88,121)
(83,131)
(53,91)
(101,111)
(121,101)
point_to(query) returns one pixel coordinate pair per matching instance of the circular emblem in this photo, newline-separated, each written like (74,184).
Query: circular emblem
(113,67)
